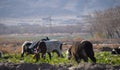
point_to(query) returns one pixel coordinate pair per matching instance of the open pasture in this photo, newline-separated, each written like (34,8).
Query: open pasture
(11,48)
(102,58)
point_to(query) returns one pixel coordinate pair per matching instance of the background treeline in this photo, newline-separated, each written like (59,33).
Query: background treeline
(106,23)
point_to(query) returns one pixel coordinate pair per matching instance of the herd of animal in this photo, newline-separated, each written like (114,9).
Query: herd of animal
(78,50)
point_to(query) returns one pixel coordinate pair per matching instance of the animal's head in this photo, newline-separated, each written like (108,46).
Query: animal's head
(68,53)
(38,48)
(41,46)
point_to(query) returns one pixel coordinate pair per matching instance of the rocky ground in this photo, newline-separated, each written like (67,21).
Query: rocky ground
(46,66)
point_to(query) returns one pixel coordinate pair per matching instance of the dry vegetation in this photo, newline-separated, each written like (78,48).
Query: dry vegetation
(10,46)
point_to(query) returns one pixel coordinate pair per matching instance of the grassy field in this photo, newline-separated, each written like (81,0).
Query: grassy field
(102,57)
(107,58)
(12,45)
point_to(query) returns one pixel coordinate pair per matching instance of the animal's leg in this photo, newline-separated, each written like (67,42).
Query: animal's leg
(85,59)
(84,56)
(22,55)
(56,52)
(77,59)
(27,54)
(37,56)
(43,55)
(59,53)
(49,55)
(93,58)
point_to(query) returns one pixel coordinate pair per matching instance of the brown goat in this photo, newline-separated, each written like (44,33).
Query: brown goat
(82,50)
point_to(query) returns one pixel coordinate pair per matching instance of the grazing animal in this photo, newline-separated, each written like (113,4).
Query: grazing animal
(48,47)
(45,39)
(1,54)
(116,50)
(28,47)
(81,50)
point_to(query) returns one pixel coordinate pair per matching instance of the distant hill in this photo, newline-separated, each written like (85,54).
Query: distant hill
(38,29)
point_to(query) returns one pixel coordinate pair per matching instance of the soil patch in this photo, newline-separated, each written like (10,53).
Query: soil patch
(46,66)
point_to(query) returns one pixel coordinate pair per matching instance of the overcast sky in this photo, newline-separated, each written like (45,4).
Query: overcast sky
(36,8)
(32,11)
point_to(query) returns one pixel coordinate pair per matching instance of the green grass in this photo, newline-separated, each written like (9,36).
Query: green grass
(102,57)
(16,58)
(107,58)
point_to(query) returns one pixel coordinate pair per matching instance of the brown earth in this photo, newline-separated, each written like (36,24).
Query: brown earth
(46,66)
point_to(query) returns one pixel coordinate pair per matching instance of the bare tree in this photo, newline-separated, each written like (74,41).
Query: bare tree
(106,23)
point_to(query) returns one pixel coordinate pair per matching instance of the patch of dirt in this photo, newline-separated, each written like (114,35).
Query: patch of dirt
(46,66)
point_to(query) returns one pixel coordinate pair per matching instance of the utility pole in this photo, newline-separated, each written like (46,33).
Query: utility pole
(49,23)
